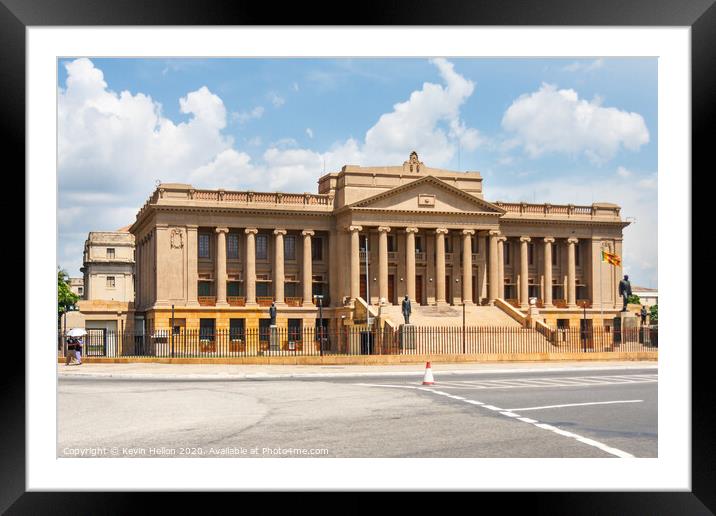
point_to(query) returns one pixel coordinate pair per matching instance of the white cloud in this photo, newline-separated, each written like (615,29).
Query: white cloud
(623,172)
(585,67)
(309,132)
(558,121)
(275,99)
(244,116)
(295,86)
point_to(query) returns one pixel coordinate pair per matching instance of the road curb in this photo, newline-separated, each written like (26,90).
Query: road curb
(281,376)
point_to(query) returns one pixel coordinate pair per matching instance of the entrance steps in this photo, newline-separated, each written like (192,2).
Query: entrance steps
(437,316)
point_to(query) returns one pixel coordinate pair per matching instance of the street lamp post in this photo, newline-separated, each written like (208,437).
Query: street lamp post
(584,327)
(320,322)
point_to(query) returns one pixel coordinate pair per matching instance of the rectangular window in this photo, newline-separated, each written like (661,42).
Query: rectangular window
(289,247)
(236,329)
(261,247)
(233,288)
(110,281)
(264,330)
(263,288)
(506,252)
(317,249)
(204,245)
(577,254)
(206,329)
(392,244)
(110,253)
(555,253)
(418,244)
(205,288)
(475,244)
(448,244)
(531,253)
(232,246)
(294,329)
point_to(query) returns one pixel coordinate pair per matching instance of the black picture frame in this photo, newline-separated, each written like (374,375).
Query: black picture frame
(700,15)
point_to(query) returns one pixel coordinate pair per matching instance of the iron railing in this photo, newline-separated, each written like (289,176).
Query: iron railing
(359,340)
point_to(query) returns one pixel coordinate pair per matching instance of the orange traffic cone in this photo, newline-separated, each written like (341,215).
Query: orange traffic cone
(428,378)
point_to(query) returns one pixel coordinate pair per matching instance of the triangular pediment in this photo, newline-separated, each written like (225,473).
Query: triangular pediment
(428,194)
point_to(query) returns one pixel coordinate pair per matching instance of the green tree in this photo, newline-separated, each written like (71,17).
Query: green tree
(65,297)
(634,299)
(654,314)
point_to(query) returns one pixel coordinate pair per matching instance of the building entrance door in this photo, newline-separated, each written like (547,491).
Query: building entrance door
(391,289)
(448,289)
(419,289)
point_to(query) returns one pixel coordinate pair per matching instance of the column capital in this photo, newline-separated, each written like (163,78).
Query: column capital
(494,233)
(443,231)
(502,238)
(525,239)
(279,232)
(467,232)
(383,229)
(411,230)
(308,232)
(354,229)
(572,240)
(549,240)
(191,226)
(222,230)
(251,231)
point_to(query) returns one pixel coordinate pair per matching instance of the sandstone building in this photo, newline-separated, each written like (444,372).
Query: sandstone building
(370,234)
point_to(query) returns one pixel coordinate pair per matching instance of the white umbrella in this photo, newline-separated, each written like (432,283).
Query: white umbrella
(76,332)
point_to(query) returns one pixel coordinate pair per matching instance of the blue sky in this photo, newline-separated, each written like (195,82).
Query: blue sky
(558,130)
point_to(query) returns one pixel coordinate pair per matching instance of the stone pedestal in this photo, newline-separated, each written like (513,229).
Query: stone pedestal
(626,328)
(274,339)
(407,336)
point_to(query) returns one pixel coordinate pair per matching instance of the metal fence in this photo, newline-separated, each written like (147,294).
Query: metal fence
(361,340)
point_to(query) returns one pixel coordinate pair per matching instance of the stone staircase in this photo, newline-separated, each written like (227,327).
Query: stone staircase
(451,316)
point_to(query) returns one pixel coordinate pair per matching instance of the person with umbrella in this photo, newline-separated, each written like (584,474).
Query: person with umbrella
(74,345)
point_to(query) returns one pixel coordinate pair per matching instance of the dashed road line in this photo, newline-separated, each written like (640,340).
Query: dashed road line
(515,416)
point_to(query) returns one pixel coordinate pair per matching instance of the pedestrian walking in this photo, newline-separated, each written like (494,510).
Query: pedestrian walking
(643,315)
(71,353)
(78,350)
(74,345)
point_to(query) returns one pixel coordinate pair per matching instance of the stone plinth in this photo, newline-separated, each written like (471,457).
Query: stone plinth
(626,328)
(407,336)
(274,339)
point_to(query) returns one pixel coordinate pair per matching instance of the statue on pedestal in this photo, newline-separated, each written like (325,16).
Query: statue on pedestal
(272,313)
(625,291)
(406,309)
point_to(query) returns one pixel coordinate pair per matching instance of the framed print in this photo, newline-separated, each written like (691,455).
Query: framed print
(262,231)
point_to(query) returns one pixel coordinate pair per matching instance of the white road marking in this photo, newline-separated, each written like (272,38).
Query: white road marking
(577,404)
(513,415)
(533,383)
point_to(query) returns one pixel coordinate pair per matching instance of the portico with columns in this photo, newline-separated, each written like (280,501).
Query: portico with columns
(370,235)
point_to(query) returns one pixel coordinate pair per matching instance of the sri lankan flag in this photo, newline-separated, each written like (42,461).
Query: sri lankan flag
(611,258)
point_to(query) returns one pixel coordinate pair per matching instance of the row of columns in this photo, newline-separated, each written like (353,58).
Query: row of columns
(278,268)
(495,267)
(410,232)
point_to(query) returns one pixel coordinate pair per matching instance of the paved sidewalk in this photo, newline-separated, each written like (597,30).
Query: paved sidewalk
(237,372)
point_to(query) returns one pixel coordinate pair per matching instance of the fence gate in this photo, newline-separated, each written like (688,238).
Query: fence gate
(95,343)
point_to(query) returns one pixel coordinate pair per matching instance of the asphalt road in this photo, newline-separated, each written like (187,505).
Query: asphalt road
(599,413)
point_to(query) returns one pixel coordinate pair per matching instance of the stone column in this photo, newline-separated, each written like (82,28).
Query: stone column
(250,279)
(492,293)
(383,263)
(524,272)
(279,275)
(307,268)
(355,261)
(501,266)
(221,276)
(571,273)
(467,266)
(547,294)
(440,266)
(410,262)
(192,266)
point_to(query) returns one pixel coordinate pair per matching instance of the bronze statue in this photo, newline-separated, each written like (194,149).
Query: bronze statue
(625,291)
(406,308)
(272,314)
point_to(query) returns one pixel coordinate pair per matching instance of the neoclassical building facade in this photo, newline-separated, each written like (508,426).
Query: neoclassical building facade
(370,234)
